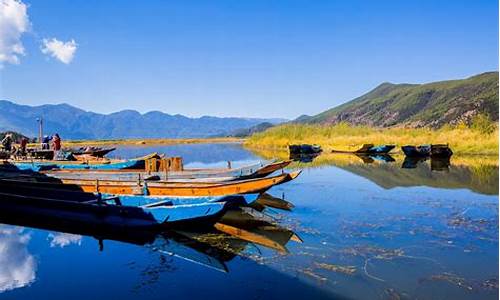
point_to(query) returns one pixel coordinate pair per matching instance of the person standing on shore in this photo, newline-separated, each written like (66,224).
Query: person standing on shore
(7,142)
(56,142)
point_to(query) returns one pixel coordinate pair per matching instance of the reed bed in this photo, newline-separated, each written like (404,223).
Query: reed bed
(462,139)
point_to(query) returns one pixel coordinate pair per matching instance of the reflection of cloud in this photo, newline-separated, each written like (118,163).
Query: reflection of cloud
(60,239)
(17,265)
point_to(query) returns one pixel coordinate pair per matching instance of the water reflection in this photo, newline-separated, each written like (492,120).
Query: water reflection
(476,173)
(239,228)
(18,266)
(192,154)
(362,239)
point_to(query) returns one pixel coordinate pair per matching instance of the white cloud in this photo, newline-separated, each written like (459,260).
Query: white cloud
(14,22)
(63,51)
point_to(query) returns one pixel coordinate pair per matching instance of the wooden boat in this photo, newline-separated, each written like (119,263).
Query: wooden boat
(434,150)
(103,211)
(441,151)
(42,165)
(202,175)
(304,149)
(158,188)
(91,151)
(369,149)
(40,153)
(417,151)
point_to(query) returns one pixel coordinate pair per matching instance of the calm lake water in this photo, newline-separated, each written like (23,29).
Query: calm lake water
(370,229)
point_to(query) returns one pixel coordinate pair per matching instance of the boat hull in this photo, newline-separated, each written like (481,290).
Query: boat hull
(249,186)
(207,175)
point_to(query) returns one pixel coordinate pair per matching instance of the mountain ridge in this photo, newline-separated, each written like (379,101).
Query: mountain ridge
(75,123)
(431,104)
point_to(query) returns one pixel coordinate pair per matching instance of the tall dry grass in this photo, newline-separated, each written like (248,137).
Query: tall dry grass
(462,139)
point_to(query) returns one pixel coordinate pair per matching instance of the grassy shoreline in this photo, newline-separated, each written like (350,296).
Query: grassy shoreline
(148,142)
(463,140)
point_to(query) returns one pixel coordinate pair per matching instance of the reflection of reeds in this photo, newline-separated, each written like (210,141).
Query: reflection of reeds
(474,172)
(344,137)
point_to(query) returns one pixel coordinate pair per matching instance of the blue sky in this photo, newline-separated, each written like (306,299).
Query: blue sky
(255,58)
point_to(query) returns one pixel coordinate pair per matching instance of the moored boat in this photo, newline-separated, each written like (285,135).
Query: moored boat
(369,149)
(156,188)
(441,151)
(304,149)
(112,211)
(202,175)
(42,165)
(434,150)
(92,151)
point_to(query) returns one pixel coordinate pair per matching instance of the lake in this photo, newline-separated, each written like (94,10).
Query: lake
(360,228)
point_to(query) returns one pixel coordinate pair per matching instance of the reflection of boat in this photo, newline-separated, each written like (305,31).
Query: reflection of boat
(437,163)
(167,243)
(304,158)
(369,149)
(267,200)
(247,224)
(157,188)
(412,162)
(370,158)
(240,227)
(440,164)
(304,149)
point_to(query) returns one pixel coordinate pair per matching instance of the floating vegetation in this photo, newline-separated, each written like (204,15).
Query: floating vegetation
(392,294)
(348,270)
(310,272)
(469,285)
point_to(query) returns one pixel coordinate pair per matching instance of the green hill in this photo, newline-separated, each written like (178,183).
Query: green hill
(419,105)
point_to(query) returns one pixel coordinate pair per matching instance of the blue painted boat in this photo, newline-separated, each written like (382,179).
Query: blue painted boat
(417,151)
(380,149)
(40,165)
(369,149)
(304,149)
(145,201)
(91,208)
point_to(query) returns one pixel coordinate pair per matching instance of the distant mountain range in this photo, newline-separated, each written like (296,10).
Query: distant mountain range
(74,123)
(417,105)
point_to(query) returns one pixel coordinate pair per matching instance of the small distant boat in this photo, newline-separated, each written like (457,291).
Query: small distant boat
(304,149)
(40,153)
(441,150)
(44,165)
(417,151)
(369,149)
(434,150)
(92,151)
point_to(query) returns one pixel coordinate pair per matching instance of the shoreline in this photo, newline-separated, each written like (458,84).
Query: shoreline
(148,142)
